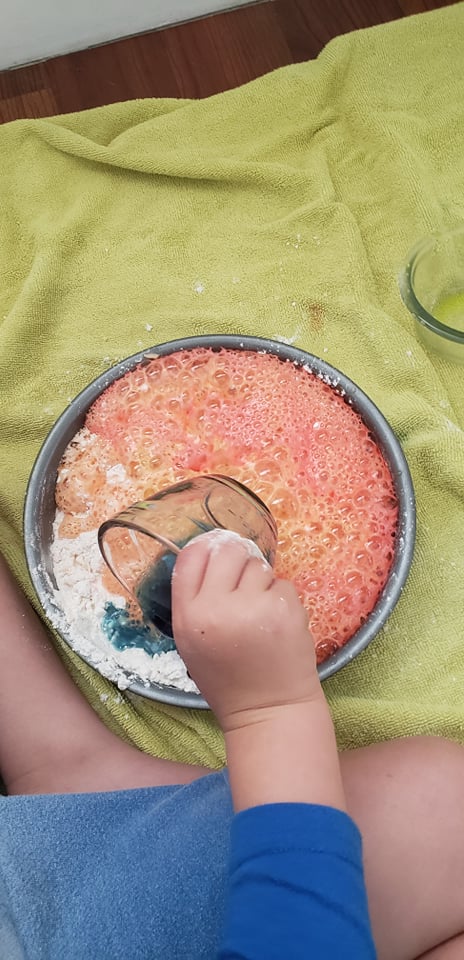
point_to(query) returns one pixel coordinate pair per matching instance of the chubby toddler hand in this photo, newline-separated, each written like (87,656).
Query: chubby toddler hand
(242,633)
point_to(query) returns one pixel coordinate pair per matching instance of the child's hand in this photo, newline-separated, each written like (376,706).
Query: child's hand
(243,634)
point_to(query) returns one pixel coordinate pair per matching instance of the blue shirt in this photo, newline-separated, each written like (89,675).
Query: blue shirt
(144,875)
(296,887)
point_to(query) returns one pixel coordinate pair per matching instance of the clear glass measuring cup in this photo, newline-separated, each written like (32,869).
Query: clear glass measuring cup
(141,543)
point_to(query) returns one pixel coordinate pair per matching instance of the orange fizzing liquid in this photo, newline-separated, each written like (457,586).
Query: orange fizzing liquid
(272,425)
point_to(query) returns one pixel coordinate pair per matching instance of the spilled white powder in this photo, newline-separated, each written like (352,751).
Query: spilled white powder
(115,474)
(289,340)
(81,596)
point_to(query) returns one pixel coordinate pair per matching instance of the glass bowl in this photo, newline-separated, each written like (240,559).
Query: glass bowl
(432,287)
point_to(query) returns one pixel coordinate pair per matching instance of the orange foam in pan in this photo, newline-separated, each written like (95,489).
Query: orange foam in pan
(274,426)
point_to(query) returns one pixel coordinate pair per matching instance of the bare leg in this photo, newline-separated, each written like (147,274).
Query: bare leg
(51,741)
(405,795)
(452,950)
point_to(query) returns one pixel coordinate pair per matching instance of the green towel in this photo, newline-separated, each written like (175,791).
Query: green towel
(283,209)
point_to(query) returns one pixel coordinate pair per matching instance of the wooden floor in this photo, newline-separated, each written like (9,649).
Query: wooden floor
(195,59)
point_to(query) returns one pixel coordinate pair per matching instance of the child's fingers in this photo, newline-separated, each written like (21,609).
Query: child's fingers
(189,571)
(256,576)
(224,570)
(286,592)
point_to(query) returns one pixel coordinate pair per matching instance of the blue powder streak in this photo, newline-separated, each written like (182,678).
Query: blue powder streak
(124,632)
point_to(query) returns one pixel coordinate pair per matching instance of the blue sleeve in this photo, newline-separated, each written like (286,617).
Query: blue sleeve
(296,886)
